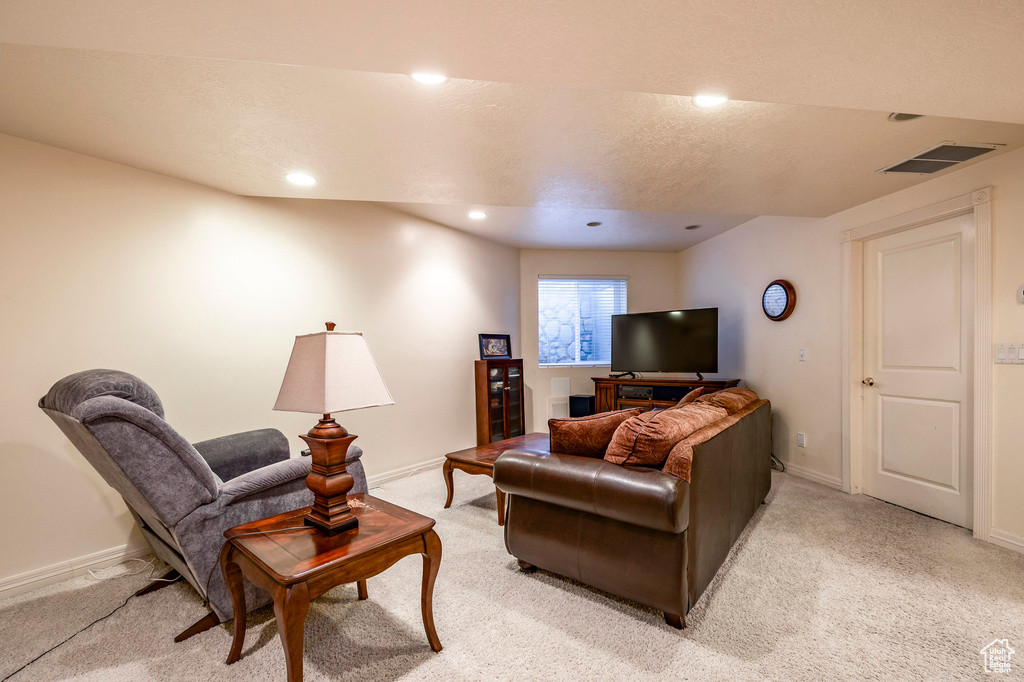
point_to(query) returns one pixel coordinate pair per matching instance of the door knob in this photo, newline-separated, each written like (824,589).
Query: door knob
(868,382)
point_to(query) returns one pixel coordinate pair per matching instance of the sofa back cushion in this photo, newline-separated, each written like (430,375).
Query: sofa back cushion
(680,457)
(690,397)
(732,399)
(645,440)
(587,436)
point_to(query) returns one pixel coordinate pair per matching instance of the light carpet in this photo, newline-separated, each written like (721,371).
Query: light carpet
(821,586)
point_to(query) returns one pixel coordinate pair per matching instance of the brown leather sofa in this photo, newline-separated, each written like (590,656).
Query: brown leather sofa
(638,532)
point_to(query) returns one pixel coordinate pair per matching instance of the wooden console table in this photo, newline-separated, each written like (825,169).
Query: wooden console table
(480,460)
(667,392)
(297,564)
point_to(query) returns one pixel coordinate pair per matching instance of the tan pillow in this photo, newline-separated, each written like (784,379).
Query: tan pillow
(732,399)
(587,436)
(647,439)
(689,397)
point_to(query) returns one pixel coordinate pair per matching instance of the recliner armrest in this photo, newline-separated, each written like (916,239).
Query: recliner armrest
(643,497)
(240,453)
(262,479)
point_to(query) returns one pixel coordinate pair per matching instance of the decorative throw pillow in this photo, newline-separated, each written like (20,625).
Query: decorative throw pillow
(689,397)
(646,440)
(732,399)
(587,436)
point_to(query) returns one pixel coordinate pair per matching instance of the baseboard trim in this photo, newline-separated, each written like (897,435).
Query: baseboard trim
(378,480)
(816,476)
(65,570)
(1006,539)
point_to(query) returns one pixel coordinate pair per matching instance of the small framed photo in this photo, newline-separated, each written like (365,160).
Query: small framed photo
(495,346)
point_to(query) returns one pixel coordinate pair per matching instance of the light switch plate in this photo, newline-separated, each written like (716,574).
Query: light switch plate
(1009,354)
(1020,294)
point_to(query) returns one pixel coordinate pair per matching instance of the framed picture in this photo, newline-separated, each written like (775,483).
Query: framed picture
(495,346)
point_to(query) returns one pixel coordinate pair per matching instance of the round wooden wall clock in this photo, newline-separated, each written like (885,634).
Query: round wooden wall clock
(778,300)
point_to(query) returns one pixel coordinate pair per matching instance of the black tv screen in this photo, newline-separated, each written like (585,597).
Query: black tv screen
(667,341)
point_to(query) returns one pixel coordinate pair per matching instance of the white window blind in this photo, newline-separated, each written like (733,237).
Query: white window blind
(575,319)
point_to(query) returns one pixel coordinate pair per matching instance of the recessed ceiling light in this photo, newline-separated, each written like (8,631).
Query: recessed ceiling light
(693,227)
(429,78)
(594,224)
(709,100)
(300,179)
(477,215)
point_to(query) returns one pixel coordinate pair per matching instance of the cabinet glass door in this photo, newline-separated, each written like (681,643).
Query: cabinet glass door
(515,409)
(496,402)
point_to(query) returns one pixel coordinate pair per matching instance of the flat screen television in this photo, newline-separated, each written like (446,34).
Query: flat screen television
(666,341)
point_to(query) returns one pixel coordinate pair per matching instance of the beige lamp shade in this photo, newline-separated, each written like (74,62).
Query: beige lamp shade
(331,372)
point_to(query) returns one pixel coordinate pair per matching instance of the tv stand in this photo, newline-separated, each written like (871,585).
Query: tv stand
(609,396)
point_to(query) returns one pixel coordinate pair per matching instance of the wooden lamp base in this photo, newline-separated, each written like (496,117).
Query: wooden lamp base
(329,480)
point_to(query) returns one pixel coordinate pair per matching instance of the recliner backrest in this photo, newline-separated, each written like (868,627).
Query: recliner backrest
(138,454)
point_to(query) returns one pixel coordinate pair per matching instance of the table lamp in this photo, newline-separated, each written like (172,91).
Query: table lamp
(331,372)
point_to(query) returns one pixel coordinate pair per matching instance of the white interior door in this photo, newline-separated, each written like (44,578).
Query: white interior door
(918,335)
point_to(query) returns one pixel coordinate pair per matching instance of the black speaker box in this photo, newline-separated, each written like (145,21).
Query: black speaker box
(581,405)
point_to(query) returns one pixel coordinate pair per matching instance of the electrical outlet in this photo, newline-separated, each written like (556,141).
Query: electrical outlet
(803,355)
(801,439)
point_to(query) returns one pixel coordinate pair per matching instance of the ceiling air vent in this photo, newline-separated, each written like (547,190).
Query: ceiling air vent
(938,158)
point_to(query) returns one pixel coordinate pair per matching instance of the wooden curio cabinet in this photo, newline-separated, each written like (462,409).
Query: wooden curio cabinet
(499,400)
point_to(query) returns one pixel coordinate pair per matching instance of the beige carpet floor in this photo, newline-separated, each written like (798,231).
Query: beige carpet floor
(822,586)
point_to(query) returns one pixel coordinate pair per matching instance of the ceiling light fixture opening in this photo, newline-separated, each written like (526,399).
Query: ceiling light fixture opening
(594,224)
(692,227)
(477,215)
(429,78)
(304,179)
(707,101)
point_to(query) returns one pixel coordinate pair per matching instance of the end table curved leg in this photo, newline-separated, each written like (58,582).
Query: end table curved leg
(233,579)
(431,563)
(501,506)
(361,587)
(290,607)
(448,482)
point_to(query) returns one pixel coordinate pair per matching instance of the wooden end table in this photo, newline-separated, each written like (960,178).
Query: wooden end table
(480,460)
(297,564)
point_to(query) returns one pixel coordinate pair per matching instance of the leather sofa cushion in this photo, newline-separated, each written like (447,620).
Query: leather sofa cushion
(646,440)
(690,397)
(587,436)
(643,497)
(732,399)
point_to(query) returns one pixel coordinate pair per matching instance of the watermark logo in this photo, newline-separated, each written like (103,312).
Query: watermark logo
(997,656)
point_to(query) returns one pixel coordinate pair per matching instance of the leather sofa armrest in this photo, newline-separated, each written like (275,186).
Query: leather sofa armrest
(643,497)
(237,454)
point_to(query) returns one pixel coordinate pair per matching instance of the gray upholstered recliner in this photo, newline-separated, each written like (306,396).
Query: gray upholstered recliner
(182,496)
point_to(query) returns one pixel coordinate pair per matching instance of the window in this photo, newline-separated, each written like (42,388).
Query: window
(575,320)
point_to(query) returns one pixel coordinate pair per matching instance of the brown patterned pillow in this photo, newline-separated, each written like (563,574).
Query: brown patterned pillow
(732,399)
(647,439)
(587,436)
(689,397)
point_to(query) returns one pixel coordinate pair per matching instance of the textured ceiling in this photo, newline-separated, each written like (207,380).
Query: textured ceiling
(554,116)
(955,58)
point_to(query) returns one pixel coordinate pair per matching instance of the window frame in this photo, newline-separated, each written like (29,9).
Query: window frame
(624,279)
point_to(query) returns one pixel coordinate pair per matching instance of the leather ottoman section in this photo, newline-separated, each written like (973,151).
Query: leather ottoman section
(607,554)
(632,495)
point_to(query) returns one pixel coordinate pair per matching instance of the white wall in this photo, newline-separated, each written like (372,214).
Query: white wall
(201,293)
(731,270)
(651,286)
